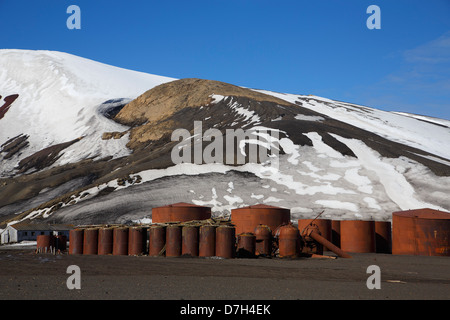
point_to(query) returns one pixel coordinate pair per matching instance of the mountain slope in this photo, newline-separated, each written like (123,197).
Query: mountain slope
(102,152)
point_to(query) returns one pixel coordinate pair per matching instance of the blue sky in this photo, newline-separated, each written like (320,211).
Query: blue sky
(320,47)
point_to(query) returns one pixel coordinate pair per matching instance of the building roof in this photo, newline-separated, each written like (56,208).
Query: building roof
(40,226)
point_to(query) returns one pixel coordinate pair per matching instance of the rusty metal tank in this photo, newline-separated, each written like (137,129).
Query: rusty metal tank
(190,240)
(324,226)
(263,239)
(120,241)
(358,236)
(246,245)
(383,236)
(421,232)
(137,239)
(226,241)
(157,243)
(336,233)
(246,219)
(76,241)
(90,241)
(288,241)
(173,241)
(180,212)
(105,241)
(45,243)
(207,241)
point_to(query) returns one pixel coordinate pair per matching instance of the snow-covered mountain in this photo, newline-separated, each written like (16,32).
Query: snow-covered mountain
(84,142)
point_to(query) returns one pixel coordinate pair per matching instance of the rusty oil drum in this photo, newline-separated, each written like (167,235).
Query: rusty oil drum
(120,241)
(421,232)
(90,241)
(288,241)
(76,241)
(358,236)
(45,243)
(105,241)
(137,240)
(246,245)
(157,243)
(263,239)
(383,236)
(226,242)
(246,219)
(189,240)
(207,241)
(173,241)
(180,212)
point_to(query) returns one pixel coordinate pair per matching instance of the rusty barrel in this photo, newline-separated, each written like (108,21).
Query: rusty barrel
(137,238)
(76,241)
(263,239)
(383,236)
(207,241)
(358,236)
(173,241)
(336,233)
(246,245)
(189,240)
(246,219)
(157,243)
(120,241)
(90,241)
(45,243)
(105,241)
(288,241)
(324,226)
(421,232)
(180,212)
(61,242)
(226,242)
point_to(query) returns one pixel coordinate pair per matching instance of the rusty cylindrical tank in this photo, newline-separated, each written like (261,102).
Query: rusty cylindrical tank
(421,232)
(76,241)
(246,245)
(226,241)
(358,236)
(137,238)
(173,241)
(157,243)
(324,226)
(90,242)
(45,243)
(383,236)
(246,219)
(288,241)
(105,241)
(120,241)
(263,238)
(189,240)
(180,212)
(207,241)
(336,233)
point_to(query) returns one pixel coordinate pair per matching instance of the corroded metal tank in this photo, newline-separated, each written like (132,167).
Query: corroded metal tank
(45,243)
(246,219)
(137,238)
(383,236)
(207,241)
(421,232)
(358,236)
(90,242)
(226,241)
(189,240)
(120,241)
(246,245)
(157,243)
(173,241)
(263,238)
(336,233)
(288,241)
(324,226)
(105,241)
(76,241)
(180,212)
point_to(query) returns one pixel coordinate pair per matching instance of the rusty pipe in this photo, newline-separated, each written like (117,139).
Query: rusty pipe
(317,237)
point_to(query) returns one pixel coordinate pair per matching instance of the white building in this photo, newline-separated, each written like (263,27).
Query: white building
(28,231)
